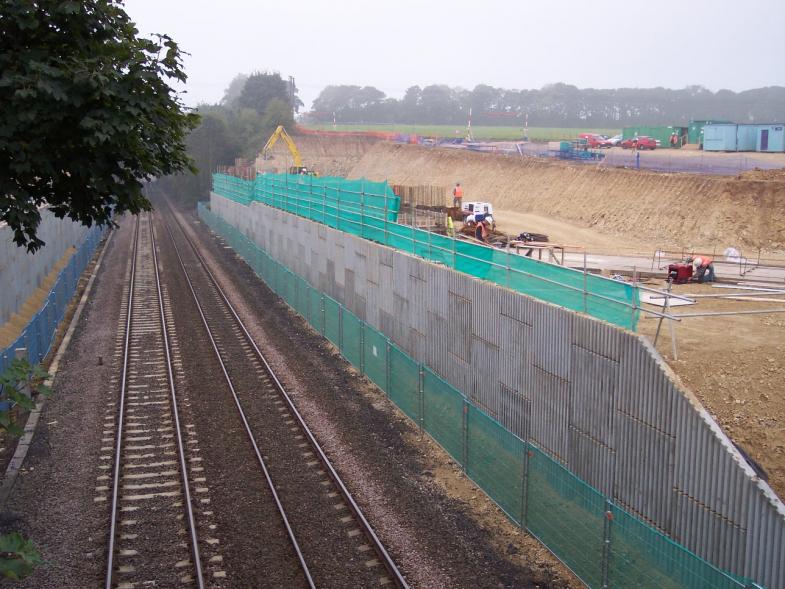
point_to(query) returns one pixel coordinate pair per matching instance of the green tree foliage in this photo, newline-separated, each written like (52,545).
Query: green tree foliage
(263,87)
(233,91)
(19,385)
(554,105)
(231,130)
(213,143)
(88,114)
(277,113)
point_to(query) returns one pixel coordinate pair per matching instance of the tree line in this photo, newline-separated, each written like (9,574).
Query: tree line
(554,105)
(237,127)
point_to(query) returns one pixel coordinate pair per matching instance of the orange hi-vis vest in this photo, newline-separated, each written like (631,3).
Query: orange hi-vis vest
(458,192)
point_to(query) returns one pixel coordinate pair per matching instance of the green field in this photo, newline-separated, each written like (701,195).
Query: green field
(480,132)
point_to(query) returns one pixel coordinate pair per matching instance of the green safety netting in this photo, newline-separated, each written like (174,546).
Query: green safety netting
(602,543)
(638,558)
(370,209)
(577,534)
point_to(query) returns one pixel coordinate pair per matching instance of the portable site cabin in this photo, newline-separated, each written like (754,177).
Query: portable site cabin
(720,137)
(771,137)
(695,129)
(731,137)
(746,137)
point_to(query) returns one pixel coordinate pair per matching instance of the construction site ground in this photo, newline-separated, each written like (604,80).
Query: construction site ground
(734,364)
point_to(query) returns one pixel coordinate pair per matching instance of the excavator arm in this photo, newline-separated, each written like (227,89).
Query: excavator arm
(280,133)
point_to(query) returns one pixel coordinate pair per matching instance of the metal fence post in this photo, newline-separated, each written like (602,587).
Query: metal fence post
(606,543)
(421,394)
(527,454)
(465,426)
(508,265)
(340,328)
(387,368)
(386,239)
(362,347)
(324,318)
(585,280)
(362,209)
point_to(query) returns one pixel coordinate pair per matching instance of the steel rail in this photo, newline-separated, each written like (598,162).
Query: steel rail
(120,416)
(379,548)
(121,419)
(257,452)
(176,415)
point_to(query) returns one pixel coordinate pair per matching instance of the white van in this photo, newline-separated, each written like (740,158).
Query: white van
(469,208)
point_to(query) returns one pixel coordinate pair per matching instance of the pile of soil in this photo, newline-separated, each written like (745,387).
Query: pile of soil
(666,209)
(329,156)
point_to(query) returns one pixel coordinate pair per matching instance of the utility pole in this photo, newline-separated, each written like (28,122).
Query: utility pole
(469,136)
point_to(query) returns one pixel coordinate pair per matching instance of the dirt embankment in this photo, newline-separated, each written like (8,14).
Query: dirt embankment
(330,156)
(663,209)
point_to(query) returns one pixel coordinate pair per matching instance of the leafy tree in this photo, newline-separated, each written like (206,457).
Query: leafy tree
(277,113)
(262,87)
(353,103)
(233,91)
(88,114)
(211,144)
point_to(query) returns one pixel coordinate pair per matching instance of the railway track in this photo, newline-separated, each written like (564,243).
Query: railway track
(153,535)
(332,543)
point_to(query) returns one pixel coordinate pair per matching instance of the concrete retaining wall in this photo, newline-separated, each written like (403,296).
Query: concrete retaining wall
(21,273)
(597,398)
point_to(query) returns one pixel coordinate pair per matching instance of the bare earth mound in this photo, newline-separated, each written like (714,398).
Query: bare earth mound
(327,155)
(668,210)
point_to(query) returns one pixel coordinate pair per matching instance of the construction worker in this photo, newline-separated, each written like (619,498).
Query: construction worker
(701,265)
(450,227)
(457,195)
(482,231)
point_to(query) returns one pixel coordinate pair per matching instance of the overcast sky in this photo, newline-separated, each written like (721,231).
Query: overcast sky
(393,44)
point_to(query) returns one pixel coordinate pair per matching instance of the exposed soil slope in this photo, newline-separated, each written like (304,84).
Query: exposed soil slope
(328,156)
(663,209)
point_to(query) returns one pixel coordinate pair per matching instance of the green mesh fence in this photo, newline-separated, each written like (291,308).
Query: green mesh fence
(577,534)
(443,414)
(603,544)
(495,460)
(641,559)
(332,321)
(370,209)
(405,383)
(352,338)
(375,357)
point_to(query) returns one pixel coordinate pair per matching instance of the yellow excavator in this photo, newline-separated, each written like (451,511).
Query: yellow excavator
(298,167)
